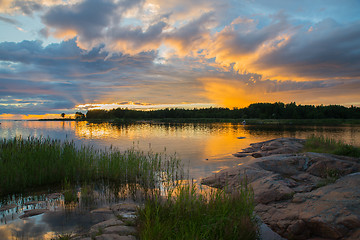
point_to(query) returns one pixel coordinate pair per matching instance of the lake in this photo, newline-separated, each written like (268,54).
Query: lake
(203,148)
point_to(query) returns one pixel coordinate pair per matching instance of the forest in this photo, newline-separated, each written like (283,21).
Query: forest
(276,110)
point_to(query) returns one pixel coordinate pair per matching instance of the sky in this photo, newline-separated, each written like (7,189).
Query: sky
(63,56)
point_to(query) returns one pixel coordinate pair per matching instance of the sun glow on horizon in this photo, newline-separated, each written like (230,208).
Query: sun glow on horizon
(141,106)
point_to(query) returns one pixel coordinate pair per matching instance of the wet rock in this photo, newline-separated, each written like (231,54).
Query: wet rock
(286,190)
(33,212)
(240,155)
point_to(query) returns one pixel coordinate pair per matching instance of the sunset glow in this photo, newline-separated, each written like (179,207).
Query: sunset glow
(75,55)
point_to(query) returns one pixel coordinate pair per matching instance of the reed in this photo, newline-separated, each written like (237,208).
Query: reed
(187,213)
(38,162)
(327,145)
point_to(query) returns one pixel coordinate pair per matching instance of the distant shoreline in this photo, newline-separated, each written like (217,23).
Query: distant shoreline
(264,122)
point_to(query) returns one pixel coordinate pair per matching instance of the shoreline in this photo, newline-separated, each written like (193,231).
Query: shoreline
(249,122)
(299,195)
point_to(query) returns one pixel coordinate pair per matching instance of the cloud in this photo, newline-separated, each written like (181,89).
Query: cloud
(66,75)
(158,51)
(192,36)
(9,20)
(283,51)
(28,7)
(230,93)
(329,51)
(101,22)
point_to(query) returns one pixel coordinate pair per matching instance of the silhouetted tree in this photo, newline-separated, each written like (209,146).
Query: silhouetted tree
(79,115)
(276,110)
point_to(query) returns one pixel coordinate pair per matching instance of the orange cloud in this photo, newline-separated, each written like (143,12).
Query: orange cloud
(6,116)
(227,93)
(233,93)
(65,34)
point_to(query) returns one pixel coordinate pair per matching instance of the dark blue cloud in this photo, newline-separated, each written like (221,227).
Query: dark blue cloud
(329,50)
(63,74)
(89,18)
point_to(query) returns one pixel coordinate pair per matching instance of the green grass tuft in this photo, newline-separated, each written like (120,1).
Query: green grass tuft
(38,162)
(328,145)
(188,214)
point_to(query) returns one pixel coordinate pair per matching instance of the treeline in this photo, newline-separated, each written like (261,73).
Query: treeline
(276,110)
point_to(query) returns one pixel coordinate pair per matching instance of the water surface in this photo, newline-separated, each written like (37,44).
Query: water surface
(203,148)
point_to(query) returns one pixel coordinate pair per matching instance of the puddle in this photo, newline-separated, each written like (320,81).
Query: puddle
(60,217)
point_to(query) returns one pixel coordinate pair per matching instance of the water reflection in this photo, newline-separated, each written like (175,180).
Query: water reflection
(203,148)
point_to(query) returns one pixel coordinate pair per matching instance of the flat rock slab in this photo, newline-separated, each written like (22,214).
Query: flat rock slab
(121,230)
(33,212)
(288,192)
(271,147)
(109,223)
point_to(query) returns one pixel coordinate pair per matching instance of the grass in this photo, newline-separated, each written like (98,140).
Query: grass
(328,145)
(187,214)
(38,162)
(329,176)
(65,236)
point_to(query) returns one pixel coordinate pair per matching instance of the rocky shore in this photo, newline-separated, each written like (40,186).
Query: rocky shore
(115,222)
(120,224)
(299,195)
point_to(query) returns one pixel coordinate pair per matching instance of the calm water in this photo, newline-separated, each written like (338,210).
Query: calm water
(203,148)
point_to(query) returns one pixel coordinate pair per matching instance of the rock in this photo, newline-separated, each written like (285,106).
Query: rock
(112,222)
(256,155)
(269,189)
(286,190)
(332,165)
(8,207)
(121,230)
(34,203)
(124,207)
(275,146)
(114,237)
(240,155)
(54,196)
(102,211)
(33,212)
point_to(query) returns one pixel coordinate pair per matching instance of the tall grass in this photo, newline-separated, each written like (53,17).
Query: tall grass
(188,214)
(34,162)
(327,145)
